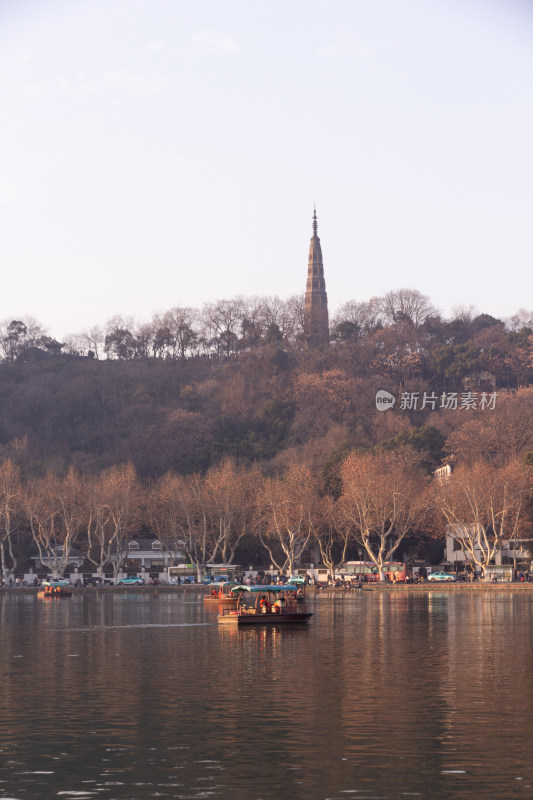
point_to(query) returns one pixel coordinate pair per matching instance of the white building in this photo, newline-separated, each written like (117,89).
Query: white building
(509,551)
(148,554)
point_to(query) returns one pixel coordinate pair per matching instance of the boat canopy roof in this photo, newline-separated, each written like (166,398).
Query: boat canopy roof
(282,587)
(219,584)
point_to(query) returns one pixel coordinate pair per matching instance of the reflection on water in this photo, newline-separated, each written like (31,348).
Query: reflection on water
(141,695)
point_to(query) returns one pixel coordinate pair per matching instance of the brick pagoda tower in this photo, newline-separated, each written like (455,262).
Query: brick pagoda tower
(316,299)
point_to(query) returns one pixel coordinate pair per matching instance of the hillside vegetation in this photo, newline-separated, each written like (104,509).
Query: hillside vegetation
(236,380)
(223,435)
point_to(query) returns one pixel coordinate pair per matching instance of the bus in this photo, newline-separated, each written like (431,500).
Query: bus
(358,570)
(394,571)
(188,573)
(227,572)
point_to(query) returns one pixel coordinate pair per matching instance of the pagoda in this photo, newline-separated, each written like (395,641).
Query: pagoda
(316,299)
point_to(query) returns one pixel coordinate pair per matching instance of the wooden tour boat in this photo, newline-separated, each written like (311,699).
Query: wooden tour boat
(271,605)
(57,588)
(220,594)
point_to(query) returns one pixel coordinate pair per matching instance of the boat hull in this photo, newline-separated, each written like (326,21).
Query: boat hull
(219,601)
(293,618)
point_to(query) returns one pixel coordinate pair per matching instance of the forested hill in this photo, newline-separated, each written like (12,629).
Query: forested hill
(273,403)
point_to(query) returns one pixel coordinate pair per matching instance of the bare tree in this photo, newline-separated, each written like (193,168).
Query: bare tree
(119,342)
(113,500)
(94,340)
(10,505)
(483,506)
(407,305)
(276,320)
(294,320)
(331,533)
(53,508)
(17,335)
(75,345)
(522,319)
(179,512)
(365,317)
(144,338)
(182,335)
(381,500)
(230,503)
(222,322)
(165,513)
(286,507)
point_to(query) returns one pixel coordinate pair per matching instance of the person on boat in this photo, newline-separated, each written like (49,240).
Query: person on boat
(264,604)
(213,593)
(279,605)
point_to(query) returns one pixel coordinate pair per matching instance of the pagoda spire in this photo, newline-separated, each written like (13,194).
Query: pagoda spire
(316,299)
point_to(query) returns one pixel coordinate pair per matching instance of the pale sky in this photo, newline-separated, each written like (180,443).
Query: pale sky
(161,153)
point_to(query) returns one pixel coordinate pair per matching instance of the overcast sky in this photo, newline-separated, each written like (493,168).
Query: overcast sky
(161,153)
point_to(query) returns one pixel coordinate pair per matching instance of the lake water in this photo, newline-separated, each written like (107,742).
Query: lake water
(141,694)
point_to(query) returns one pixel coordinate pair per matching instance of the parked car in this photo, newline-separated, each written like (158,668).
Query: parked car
(131,580)
(96,581)
(441,576)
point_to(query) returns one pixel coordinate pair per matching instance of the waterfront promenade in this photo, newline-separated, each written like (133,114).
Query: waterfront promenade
(311,591)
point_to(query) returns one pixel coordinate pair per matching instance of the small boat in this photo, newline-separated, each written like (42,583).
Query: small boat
(220,594)
(58,588)
(270,605)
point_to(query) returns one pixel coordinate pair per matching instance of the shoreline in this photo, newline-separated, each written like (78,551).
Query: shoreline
(311,591)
